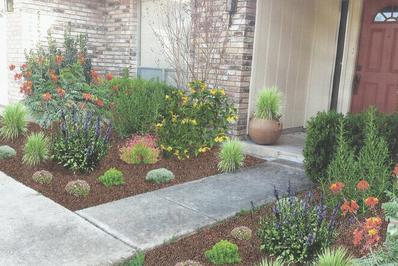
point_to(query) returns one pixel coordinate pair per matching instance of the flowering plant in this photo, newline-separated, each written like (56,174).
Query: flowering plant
(367,234)
(53,79)
(140,149)
(298,229)
(81,141)
(193,123)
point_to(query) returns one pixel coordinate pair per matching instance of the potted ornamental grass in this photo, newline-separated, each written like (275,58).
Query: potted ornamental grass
(264,126)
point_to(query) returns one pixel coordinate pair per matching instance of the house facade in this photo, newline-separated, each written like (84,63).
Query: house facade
(321,54)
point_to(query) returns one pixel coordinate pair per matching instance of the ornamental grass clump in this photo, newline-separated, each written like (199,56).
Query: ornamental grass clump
(81,141)
(112,177)
(231,156)
(35,150)
(223,252)
(267,262)
(78,188)
(269,104)
(334,257)
(297,230)
(13,121)
(140,149)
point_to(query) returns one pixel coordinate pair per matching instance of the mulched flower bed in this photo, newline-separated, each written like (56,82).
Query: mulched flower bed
(186,170)
(193,247)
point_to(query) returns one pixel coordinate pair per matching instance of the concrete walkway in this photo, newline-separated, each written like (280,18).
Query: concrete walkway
(148,220)
(37,231)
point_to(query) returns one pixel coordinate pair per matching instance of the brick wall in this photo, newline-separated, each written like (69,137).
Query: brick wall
(232,66)
(111,26)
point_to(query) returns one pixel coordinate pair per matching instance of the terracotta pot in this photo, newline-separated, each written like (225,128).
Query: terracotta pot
(263,131)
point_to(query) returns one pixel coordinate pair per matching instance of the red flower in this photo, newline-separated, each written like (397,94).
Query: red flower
(53,76)
(11,67)
(362,185)
(18,76)
(46,96)
(59,59)
(357,237)
(23,66)
(94,76)
(336,187)
(26,87)
(371,202)
(109,76)
(87,96)
(60,92)
(99,103)
(349,206)
(395,172)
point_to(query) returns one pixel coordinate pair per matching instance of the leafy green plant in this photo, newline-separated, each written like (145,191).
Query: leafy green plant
(43,177)
(137,260)
(112,177)
(267,262)
(13,121)
(81,142)
(193,123)
(140,149)
(297,230)
(35,150)
(161,175)
(137,105)
(269,104)
(231,156)
(78,188)
(334,257)
(223,252)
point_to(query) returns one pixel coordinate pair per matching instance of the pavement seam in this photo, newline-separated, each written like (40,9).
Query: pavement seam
(103,227)
(287,166)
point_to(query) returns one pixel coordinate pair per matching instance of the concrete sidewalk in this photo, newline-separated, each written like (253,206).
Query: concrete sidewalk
(37,231)
(148,220)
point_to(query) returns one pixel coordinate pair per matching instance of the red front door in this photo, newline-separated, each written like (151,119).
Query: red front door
(376,80)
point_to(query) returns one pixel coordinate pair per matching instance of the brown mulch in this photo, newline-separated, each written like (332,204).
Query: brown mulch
(186,170)
(193,247)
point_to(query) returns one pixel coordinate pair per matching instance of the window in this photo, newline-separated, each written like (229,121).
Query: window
(387,14)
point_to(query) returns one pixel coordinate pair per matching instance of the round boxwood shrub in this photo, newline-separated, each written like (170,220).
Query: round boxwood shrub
(242,233)
(223,252)
(6,152)
(161,175)
(112,177)
(43,177)
(78,188)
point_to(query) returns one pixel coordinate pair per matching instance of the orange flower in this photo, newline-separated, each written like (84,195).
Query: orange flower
(11,67)
(115,88)
(349,206)
(94,76)
(23,66)
(59,59)
(99,103)
(357,237)
(395,172)
(27,74)
(362,185)
(336,187)
(53,76)
(46,96)
(26,87)
(109,76)
(371,202)
(373,222)
(87,96)
(18,76)
(60,92)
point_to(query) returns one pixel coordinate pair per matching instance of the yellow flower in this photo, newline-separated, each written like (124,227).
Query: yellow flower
(220,139)
(159,125)
(221,91)
(167,97)
(193,90)
(203,149)
(169,148)
(174,118)
(184,99)
(194,122)
(232,119)
(213,91)
(372,232)
(177,153)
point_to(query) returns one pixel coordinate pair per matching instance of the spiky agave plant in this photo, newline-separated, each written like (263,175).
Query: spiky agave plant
(269,104)
(13,121)
(334,257)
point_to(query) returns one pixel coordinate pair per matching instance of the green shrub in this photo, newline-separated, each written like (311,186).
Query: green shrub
(137,260)
(112,177)
(137,105)
(266,262)
(80,143)
(140,149)
(321,142)
(78,188)
(231,156)
(35,150)
(6,152)
(269,104)
(13,121)
(223,252)
(161,175)
(297,230)
(242,233)
(335,257)
(43,177)
(193,123)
